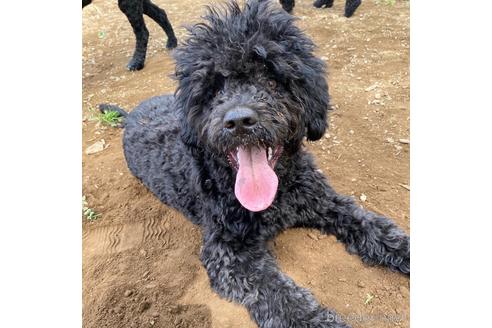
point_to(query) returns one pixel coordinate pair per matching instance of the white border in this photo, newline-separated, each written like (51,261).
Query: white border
(450,163)
(40,169)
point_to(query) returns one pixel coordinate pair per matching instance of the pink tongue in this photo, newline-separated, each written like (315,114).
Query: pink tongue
(256,182)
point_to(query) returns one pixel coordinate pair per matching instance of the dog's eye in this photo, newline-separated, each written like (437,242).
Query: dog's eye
(272,84)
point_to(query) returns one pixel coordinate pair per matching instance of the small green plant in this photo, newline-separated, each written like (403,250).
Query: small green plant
(88,212)
(110,118)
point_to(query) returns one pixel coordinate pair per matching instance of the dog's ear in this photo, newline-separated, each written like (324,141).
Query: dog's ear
(192,85)
(188,134)
(312,91)
(185,110)
(316,106)
(194,67)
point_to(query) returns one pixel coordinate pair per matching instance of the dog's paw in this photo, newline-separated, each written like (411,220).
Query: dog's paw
(171,43)
(348,14)
(135,64)
(405,266)
(321,3)
(351,7)
(403,263)
(288,9)
(399,258)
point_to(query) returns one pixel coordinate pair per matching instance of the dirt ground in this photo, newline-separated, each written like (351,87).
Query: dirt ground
(140,258)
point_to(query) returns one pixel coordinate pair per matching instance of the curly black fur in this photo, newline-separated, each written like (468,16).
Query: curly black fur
(177,146)
(134,11)
(350,5)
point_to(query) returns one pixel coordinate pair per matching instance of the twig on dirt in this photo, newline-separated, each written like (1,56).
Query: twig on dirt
(407,187)
(368,298)
(97,9)
(372,87)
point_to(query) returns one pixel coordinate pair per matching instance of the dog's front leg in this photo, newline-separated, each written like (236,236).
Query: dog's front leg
(375,238)
(245,272)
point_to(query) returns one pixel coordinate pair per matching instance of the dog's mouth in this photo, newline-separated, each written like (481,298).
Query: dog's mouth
(256,181)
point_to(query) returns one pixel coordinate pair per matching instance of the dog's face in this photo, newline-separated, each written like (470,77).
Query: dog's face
(250,89)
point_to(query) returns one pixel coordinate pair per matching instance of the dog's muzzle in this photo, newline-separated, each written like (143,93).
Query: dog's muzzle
(256,182)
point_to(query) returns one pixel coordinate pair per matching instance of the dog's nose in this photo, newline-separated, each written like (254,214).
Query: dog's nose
(240,119)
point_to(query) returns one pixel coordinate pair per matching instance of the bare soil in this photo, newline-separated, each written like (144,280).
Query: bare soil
(140,258)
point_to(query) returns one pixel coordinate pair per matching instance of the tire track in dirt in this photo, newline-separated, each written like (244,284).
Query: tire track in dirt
(85,233)
(112,239)
(153,229)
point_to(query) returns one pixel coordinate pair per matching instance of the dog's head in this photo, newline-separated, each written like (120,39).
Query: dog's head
(250,89)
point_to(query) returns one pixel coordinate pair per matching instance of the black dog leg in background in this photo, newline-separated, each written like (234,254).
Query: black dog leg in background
(351,6)
(375,238)
(246,272)
(288,5)
(160,17)
(321,3)
(134,12)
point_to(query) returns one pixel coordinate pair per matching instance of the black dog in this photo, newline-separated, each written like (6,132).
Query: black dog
(350,5)
(134,10)
(226,151)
